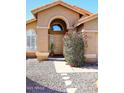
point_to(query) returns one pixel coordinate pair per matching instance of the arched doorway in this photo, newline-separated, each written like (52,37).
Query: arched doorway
(57,30)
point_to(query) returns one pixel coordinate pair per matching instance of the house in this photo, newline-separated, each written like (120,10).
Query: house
(50,24)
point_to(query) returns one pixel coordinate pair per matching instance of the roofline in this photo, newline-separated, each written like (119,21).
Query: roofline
(86,19)
(30,21)
(74,8)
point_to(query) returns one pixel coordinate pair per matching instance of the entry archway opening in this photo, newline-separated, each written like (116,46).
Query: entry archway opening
(57,30)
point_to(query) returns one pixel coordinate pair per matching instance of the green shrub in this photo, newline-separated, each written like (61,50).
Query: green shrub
(52,49)
(74,49)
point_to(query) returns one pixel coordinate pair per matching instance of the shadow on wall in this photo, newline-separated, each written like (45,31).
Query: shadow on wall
(33,87)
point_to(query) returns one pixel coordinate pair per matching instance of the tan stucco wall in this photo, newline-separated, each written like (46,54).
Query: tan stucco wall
(91,51)
(92,42)
(91,25)
(31,25)
(91,30)
(43,22)
(42,40)
(30,54)
(45,16)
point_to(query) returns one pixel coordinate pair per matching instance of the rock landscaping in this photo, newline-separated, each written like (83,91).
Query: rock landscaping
(42,77)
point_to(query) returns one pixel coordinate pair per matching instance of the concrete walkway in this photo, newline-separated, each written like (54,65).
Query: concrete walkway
(61,67)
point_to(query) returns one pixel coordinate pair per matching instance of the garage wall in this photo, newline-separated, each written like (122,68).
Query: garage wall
(91,25)
(91,30)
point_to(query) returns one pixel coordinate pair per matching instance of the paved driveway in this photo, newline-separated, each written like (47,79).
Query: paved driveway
(57,77)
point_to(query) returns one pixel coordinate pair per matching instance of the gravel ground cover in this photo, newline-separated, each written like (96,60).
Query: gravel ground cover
(84,82)
(42,78)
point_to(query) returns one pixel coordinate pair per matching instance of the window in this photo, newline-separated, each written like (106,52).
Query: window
(31,40)
(57,28)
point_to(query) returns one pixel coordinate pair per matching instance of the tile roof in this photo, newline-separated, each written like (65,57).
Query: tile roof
(30,21)
(74,8)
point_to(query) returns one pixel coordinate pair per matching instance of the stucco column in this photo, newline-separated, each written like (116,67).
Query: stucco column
(42,44)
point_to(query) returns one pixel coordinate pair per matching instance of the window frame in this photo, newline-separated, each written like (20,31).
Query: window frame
(57,25)
(31,34)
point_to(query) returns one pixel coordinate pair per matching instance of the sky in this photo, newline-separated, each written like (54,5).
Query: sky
(90,5)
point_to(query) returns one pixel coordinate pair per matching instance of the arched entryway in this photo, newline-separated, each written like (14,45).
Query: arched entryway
(57,30)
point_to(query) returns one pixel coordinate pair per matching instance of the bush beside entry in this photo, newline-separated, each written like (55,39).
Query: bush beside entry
(74,49)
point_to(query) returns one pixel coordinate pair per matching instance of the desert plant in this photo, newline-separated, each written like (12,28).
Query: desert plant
(51,49)
(74,48)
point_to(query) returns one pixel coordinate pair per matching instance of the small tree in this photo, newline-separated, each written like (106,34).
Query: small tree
(74,48)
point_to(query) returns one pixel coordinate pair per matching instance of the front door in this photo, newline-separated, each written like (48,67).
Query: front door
(58,42)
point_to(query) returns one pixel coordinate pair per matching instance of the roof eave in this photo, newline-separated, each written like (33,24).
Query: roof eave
(83,12)
(86,19)
(30,21)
